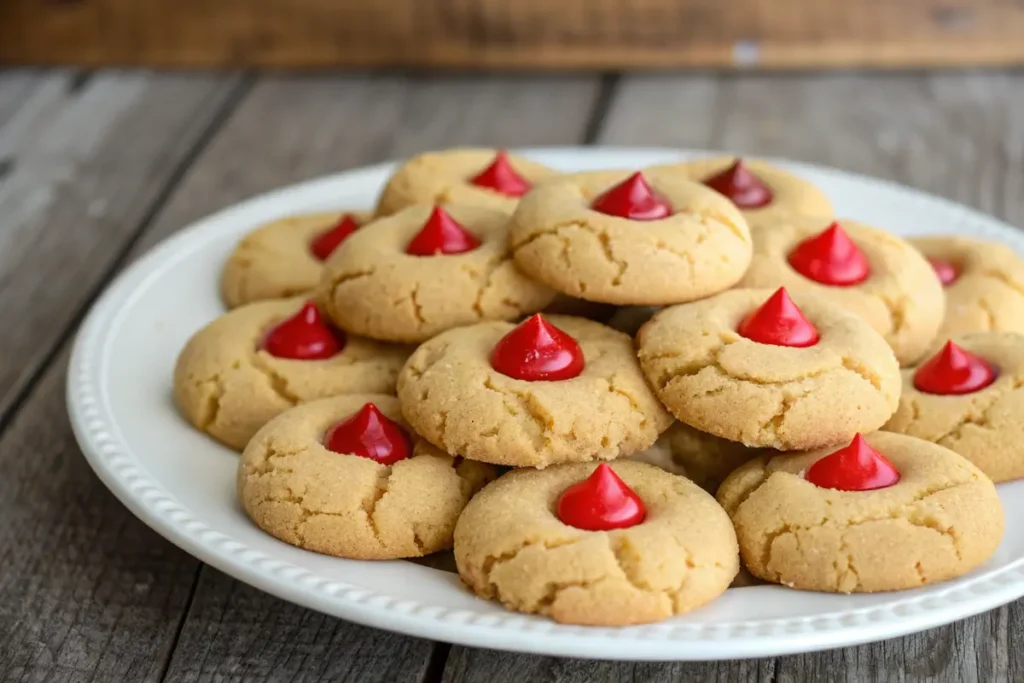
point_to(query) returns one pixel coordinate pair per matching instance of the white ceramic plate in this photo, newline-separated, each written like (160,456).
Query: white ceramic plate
(182,484)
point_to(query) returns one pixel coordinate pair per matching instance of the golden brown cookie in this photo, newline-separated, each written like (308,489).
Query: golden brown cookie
(373,287)
(298,482)
(482,177)
(983,424)
(285,257)
(898,295)
(453,397)
(760,189)
(984,284)
(684,241)
(940,519)
(762,394)
(228,385)
(630,319)
(511,546)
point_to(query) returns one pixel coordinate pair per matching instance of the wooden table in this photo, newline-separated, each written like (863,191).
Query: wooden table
(95,168)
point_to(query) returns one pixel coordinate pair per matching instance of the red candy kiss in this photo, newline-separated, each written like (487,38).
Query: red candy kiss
(632,198)
(501,177)
(831,258)
(741,186)
(369,434)
(324,244)
(857,467)
(536,351)
(944,270)
(601,502)
(304,336)
(442,235)
(953,371)
(779,322)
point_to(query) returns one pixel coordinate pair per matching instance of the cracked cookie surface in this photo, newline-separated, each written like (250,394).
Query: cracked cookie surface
(228,387)
(372,287)
(702,248)
(719,382)
(297,490)
(901,298)
(985,426)
(511,547)
(791,194)
(452,397)
(443,178)
(988,295)
(940,520)
(274,261)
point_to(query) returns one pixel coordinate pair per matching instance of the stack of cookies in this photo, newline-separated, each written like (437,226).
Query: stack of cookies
(557,374)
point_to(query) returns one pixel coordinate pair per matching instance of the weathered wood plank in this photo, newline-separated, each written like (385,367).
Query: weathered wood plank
(288,130)
(959,135)
(87,592)
(86,168)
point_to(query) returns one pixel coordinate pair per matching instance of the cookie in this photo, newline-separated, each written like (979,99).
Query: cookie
(630,319)
(260,359)
(308,478)
(751,366)
(969,398)
(933,517)
(984,283)
(568,390)
(872,273)
(704,459)
(424,270)
(483,177)
(512,545)
(761,190)
(611,237)
(285,257)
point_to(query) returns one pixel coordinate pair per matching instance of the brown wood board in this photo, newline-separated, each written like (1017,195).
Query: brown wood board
(513,33)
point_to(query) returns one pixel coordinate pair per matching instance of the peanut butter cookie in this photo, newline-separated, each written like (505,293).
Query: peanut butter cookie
(285,257)
(872,273)
(648,239)
(424,270)
(260,359)
(569,390)
(931,517)
(342,476)
(528,541)
(751,366)
(483,177)
(984,283)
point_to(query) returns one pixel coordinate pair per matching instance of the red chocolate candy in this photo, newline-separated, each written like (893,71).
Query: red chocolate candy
(633,198)
(536,351)
(304,336)
(441,234)
(369,434)
(501,177)
(953,370)
(831,258)
(601,502)
(741,186)
(944,270)
(324,244)
(856,467)
(779,322)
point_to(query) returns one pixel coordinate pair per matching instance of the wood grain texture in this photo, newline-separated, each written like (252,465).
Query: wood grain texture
(87,592)
(512,33)
(958,135)
(288,130)
(86,168)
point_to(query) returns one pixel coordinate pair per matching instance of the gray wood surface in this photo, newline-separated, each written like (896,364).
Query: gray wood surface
(95,168)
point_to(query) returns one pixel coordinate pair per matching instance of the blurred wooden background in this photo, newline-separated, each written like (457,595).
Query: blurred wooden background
(556,34)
